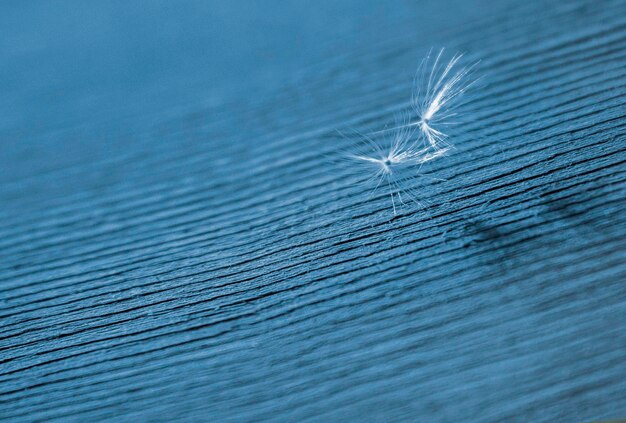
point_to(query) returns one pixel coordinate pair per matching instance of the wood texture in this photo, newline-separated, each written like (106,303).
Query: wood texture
(210,264)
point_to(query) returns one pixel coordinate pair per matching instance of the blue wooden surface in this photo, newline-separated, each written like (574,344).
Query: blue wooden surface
(175,245)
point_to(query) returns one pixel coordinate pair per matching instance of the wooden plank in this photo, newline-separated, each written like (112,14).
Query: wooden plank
(213,265)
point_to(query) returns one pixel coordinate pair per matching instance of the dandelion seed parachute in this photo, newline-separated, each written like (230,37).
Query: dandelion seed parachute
(396,160)
(392,162)
(436,91)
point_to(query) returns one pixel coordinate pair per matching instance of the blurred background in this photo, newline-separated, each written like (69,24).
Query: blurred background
(68,65)
(67,61)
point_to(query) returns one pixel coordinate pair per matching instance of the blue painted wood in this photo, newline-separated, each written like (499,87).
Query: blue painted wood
(192,255)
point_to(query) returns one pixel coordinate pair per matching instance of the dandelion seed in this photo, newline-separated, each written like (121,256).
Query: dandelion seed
(435,95)
(397,161)
(393,163)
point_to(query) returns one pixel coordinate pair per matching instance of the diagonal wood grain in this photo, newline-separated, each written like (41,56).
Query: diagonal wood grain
(212,265)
